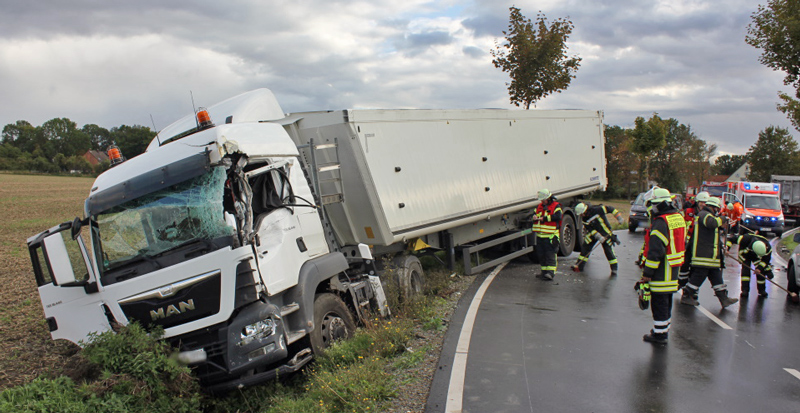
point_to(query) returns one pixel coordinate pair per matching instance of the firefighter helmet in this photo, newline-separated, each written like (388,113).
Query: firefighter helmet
(543,194)
(760,248)
(580,208)
(702,197)
(714,202)
(660,195)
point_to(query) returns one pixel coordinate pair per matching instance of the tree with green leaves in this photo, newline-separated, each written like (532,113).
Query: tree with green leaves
(100,136)
(131,140)
(648,137)
(728,164)
(535,57)
(683,157)
(621,164)
(775,29)
(65,137)
(775,153)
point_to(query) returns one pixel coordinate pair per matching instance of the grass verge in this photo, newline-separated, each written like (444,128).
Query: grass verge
(132,371)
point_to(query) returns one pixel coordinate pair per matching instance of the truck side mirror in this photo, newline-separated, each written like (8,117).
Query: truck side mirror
(63,273)
(75,231)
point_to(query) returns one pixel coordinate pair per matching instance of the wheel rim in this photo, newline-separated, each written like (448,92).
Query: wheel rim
(569,234)
(333,328)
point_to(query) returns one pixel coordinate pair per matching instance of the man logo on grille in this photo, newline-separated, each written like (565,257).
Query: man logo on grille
(170,310)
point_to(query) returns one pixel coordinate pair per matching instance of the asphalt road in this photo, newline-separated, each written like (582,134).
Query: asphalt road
(575,345)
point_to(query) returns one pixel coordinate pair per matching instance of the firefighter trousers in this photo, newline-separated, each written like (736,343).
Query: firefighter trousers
(661,307)
(761,282)
(698,275)
(587,249)
(546,249)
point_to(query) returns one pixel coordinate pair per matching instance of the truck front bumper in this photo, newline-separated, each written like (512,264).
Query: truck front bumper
(249,348)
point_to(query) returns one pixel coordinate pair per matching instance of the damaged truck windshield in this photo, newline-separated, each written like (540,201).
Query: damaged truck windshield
(132,238)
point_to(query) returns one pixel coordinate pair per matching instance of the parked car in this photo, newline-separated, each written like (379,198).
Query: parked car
(793,268)
(638,217)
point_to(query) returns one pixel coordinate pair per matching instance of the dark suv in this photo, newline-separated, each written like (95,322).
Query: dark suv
(638,216)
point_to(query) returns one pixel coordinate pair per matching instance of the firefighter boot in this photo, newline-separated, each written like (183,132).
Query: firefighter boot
(655,338)
(689,296)
(724,300)
(762,293)
(614,270)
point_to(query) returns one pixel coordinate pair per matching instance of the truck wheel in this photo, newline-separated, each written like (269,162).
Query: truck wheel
(568,236)
(332,321)
(410,276)
(792,279)
(632,226)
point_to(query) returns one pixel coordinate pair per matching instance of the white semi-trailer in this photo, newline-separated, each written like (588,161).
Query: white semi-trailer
(255,238)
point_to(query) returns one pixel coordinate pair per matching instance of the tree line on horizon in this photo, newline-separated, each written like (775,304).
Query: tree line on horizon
(668,153)
(59,146)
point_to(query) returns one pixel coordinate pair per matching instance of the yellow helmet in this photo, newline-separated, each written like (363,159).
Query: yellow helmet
(543,194)
(760,248)
(661,195)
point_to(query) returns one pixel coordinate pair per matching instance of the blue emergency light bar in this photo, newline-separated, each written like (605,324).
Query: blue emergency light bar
(775,187)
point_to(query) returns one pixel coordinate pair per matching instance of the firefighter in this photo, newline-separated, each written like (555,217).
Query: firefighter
(699,203)
(755,250)
(734,213)
(707,255)
(665,254)
(546,224)
(597,230)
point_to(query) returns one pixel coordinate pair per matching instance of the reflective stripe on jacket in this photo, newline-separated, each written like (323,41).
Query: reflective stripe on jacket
(665,251)
(705,246)
(549,220)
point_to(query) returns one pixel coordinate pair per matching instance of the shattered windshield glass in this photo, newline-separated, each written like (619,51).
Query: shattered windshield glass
(158,222)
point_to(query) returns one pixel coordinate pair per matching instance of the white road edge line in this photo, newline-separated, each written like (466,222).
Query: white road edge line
(793,372)
(714,318)
(455,392)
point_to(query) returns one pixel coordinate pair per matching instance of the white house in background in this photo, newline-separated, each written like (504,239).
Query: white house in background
(740,174)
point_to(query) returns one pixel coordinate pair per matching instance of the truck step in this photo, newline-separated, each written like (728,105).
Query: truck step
(293,336)
(289,308)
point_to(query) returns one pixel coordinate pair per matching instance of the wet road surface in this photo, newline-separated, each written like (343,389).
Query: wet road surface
(575,345)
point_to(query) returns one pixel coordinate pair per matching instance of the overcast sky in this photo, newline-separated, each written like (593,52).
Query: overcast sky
(115,63)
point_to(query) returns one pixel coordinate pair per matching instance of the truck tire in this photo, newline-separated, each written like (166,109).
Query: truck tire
(332,321)
(791,278)
(632,227)
(568,236)
(410,276)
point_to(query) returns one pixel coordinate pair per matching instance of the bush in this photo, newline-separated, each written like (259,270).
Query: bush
(133,372)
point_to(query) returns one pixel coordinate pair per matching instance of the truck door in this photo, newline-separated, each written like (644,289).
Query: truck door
(67,283)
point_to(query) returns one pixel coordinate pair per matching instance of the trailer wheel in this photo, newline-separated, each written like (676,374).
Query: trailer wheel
(332,321)
(568,236)
(791,278)
(410,276)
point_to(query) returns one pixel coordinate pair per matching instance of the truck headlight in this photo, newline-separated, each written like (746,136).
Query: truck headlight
(257,330)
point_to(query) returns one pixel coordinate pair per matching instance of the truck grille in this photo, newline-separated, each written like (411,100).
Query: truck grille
(177,303)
